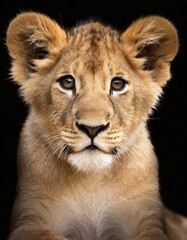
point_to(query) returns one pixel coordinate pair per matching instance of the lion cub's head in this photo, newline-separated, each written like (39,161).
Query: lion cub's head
(90,89)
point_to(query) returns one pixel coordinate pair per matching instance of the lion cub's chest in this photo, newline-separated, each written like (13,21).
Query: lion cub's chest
(90,216)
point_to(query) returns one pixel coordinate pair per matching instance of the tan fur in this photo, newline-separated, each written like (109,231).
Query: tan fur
(65,190)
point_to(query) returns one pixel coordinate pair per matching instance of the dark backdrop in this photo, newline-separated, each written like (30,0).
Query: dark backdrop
(168,125)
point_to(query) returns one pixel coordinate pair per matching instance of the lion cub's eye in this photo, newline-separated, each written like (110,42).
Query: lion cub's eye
(118,84)
(67,82)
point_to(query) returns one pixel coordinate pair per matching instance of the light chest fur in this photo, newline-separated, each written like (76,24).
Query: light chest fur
(94,216)
(100,213)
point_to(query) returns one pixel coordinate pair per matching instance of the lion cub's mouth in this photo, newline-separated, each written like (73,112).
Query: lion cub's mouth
(68,150)
(92,147)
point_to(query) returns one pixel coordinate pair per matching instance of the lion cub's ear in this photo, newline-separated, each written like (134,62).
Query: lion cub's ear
(33,41)
(153,43)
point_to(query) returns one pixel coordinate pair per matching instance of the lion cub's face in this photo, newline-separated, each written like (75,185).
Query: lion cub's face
(92,96)
(90,89)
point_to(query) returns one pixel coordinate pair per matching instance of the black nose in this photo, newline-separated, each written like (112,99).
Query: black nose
(92,132)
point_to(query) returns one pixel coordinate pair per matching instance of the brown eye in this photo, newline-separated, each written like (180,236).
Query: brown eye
(67,82)
(117,84)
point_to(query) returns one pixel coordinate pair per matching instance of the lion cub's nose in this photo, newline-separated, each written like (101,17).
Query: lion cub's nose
(92,132)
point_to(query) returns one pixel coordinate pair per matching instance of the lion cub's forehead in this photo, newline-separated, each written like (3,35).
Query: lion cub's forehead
(94,47)
(94,39)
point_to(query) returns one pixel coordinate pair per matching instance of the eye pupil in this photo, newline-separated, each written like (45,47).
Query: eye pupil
(67,82)
(118,84)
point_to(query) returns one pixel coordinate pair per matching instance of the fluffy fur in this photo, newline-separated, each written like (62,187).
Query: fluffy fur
(87,169)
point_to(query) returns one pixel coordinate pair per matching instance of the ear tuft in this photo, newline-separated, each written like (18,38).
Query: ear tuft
(32,36)
(153,41)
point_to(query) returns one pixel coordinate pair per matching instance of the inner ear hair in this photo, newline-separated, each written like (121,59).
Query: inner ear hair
(148,53)
(150,61)
(151,52)
(37,53)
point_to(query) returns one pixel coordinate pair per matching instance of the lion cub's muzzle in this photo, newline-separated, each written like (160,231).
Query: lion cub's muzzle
(92,121)
(93,153)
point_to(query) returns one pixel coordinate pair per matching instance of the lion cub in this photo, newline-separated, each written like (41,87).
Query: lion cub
(87,169)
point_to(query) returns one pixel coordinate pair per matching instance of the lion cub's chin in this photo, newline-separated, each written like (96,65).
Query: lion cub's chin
(91,160)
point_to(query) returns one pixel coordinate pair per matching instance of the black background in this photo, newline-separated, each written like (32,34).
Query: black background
(168,125)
